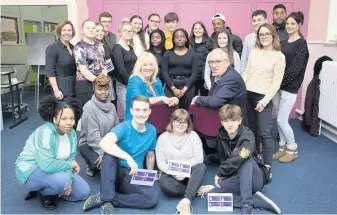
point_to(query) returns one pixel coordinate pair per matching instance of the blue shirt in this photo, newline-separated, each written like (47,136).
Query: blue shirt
(135,143)
(137,87)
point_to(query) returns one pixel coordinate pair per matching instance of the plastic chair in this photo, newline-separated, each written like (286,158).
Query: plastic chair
(160,116)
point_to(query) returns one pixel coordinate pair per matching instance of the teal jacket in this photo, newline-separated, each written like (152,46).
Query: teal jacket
(41,150)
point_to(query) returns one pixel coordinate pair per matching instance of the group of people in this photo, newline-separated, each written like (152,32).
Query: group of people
(141,67)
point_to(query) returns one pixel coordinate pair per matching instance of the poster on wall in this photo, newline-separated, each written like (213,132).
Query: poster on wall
(9,30)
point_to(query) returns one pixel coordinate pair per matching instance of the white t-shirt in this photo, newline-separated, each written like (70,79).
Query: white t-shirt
(63,152)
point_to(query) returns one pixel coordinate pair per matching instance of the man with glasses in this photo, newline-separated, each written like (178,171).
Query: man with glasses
(153,23)
(109,39)
(228,86)
(126,147)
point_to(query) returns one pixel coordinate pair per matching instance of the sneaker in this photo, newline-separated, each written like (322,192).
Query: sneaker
(203,190)
(107,208)
(247,209)
(93,201)
(89,171)
(290,156)
(184,207)
(280,153)
(262,201)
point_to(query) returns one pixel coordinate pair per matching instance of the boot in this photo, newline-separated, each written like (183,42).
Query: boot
(281,152)
(291,154)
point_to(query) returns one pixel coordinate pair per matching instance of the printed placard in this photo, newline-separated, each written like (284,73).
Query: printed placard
(179,168)
(109,65)
(144,177)
(220,202)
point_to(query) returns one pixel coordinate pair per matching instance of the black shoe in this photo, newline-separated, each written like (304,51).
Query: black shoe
(31,195)
(214,158)
(247,209)
(48,202)
(262,201)
(278,137)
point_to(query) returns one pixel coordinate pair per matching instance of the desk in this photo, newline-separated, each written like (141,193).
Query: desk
(15,109)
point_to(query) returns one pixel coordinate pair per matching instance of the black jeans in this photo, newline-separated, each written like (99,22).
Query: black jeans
(186,188)
(186,99)
(248,181)
(89,155)
(200,87)
(260,123)
(116,187)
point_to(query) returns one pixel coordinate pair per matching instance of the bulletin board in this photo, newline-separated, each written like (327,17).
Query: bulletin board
(9,30)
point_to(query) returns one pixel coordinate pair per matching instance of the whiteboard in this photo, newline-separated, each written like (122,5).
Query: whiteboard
(37,44)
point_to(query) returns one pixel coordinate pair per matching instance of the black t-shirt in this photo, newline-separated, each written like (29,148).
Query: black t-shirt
(174,65)
(124,61)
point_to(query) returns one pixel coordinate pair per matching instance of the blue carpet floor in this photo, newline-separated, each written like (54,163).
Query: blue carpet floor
(306,186)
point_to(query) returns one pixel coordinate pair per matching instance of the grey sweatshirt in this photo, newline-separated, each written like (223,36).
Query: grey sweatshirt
(97,120)
(188,151)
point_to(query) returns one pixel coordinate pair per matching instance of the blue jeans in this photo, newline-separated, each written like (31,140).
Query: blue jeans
(116,187)
(55,183)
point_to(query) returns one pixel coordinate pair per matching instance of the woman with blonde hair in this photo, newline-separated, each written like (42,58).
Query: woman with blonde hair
(144,81)
(181,144)
(263,77)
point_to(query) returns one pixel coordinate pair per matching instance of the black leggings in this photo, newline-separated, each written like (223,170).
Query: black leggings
(188,187)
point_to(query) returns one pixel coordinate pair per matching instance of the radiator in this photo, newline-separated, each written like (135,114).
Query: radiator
(328,98)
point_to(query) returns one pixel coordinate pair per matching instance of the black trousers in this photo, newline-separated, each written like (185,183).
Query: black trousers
(200,87)
(186,188)
(261,124)
(248,181)
(89,155)
(185,101)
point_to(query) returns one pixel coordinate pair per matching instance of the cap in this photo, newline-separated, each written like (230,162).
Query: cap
(219,16)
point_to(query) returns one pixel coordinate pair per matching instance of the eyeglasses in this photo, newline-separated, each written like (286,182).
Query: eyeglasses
(214,62)
(177,123)
(105,22)
(265,35)
(154,21)
(126,31)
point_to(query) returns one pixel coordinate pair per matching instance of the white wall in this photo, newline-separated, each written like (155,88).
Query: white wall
(332,22)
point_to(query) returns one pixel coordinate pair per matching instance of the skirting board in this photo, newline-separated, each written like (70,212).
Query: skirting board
(326,129)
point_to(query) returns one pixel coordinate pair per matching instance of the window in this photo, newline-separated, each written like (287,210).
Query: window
(31,27)
(9,30)
(49,27)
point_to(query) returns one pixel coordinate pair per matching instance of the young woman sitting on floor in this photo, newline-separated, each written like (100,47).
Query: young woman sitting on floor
(180,143)
(47,165)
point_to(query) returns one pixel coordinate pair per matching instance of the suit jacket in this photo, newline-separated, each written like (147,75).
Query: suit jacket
(230,89)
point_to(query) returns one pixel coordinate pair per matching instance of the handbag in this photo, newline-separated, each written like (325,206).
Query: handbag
(83,86)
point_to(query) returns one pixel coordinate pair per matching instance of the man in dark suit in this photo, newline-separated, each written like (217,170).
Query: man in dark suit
(228,86)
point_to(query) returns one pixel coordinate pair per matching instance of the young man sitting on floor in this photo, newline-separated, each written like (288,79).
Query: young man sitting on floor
(240,172)
(126,147)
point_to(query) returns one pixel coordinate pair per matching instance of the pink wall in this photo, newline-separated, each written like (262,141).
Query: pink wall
(237,13)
